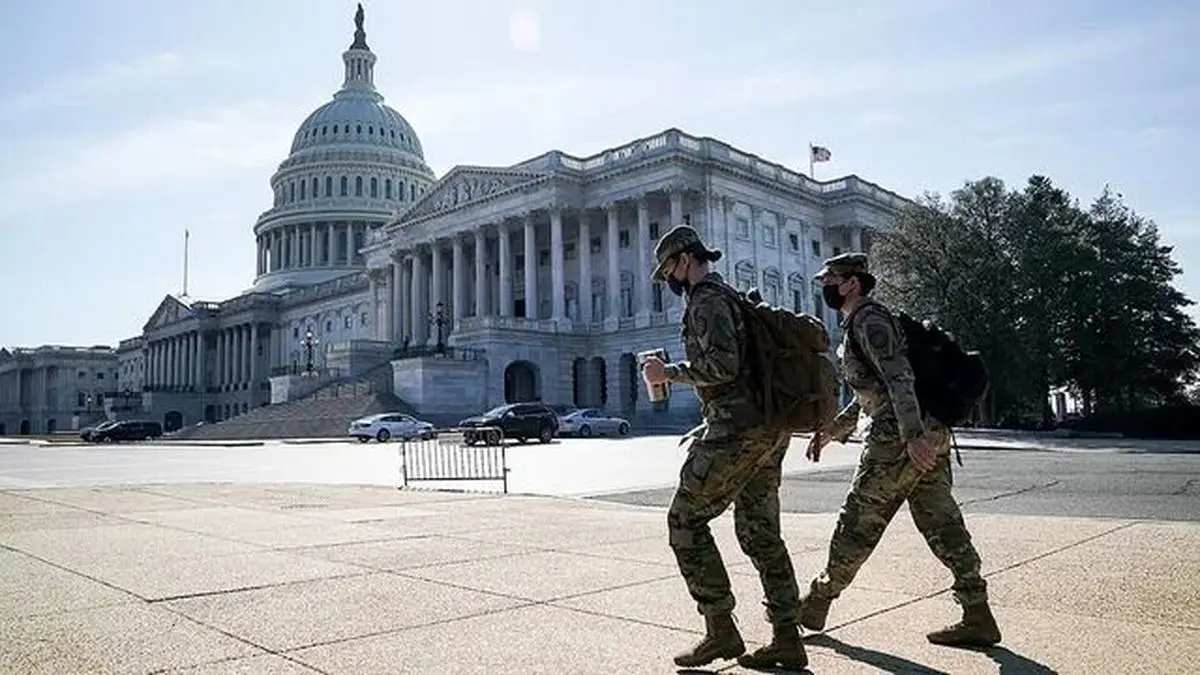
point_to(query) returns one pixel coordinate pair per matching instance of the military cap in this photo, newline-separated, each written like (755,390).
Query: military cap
(845,265)
(678,239)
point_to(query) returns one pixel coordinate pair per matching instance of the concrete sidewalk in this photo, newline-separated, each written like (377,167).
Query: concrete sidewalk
(220,578)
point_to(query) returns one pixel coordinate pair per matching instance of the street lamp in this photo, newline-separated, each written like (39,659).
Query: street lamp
(309,342)
(438,319)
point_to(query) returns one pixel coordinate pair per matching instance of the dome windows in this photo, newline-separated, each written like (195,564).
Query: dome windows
(345,187)
(328,186)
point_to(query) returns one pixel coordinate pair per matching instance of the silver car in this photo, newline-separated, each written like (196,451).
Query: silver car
(592,422)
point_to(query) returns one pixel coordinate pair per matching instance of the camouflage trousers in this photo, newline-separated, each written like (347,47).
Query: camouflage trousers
(743,470)
(884,481)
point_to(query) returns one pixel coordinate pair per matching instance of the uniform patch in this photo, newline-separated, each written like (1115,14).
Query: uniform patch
(879,339)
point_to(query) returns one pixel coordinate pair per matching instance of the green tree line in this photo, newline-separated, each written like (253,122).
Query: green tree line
(1052,294)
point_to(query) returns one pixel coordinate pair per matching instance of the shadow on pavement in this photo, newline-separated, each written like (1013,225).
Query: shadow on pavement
(1010,663)
(888,663)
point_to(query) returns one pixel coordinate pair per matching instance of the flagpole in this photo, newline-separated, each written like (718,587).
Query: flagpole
(186,236)
(810,161)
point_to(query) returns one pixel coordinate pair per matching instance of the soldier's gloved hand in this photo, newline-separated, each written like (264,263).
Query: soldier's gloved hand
(923,452)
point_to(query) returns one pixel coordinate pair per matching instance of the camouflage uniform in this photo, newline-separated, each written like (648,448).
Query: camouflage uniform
(732,459)
(883,386)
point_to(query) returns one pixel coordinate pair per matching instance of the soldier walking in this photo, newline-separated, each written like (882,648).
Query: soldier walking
(733,458)
(906,458)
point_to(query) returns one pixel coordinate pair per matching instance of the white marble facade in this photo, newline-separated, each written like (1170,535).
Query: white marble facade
(544,266)
(54,389)
(541,269)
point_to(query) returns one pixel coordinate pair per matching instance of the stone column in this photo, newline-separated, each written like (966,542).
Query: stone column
(239,352)
(255,364)
(230,355)
(458,284)
(585,268)
(438,280)
(373,294)
(481,286)
(856,239)
(641,269)
(201,364)
(531,299)
(399,288)
(676,197)
(417,322)
(294,236)
(614,261)
(558,283)
(349,244)
(504,244)
(219,359)
(329,247)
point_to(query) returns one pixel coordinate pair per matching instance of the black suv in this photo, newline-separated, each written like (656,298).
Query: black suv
(521,421)
(129,430)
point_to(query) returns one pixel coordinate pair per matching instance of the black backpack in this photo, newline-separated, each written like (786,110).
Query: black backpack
(949,380)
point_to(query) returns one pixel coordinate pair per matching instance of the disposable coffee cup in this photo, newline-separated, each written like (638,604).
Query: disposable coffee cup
(656,392)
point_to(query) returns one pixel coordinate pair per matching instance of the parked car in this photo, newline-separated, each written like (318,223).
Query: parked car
(86,432)
(521,421)
(385,426)
(593,422)
(127,430)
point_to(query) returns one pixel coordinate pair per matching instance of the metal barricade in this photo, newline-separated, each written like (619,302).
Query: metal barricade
(476,454)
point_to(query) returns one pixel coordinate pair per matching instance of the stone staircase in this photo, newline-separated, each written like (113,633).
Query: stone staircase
(325,412)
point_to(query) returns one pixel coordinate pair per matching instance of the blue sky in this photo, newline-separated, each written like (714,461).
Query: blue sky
(124,122)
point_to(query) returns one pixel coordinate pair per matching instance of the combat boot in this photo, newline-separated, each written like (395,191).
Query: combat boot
(786,651)
(814,610)
(721,641)
(977,629)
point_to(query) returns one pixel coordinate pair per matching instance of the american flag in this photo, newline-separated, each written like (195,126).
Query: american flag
(820,154)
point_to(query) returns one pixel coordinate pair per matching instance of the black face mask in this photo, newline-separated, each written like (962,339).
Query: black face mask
(833,299)
(676,286)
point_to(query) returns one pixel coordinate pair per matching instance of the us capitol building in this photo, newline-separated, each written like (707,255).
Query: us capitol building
(488,285)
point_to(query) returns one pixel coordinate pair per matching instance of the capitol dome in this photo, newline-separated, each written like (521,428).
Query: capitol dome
(354,162)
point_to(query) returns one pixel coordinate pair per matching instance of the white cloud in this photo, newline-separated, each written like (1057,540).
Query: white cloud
(105,78)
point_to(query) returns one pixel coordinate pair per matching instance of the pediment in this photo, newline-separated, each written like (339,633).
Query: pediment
(169,311)
(465,185)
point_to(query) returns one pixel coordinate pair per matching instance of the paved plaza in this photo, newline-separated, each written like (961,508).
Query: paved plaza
(228,560)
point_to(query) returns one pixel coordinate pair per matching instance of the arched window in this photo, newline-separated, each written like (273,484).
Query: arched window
(387,188)
(599,300)
(345,186)
(316,184)
(358,186)
(744,274)
(772,285)
(328,186)
(374,188)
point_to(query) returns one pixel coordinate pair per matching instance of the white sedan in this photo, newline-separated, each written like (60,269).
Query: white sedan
(385,426)
(592,422)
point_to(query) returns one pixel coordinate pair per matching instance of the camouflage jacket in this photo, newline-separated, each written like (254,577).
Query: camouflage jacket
(714,343)
(883,383)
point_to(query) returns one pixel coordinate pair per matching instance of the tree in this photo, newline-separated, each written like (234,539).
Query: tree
(1051,294)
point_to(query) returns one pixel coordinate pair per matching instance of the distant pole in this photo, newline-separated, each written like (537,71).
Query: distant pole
(810,161)
(186,235)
